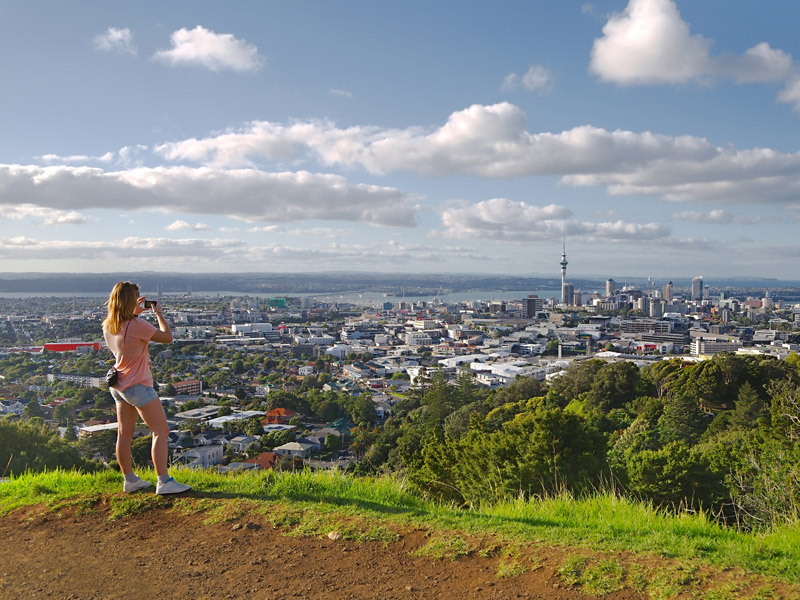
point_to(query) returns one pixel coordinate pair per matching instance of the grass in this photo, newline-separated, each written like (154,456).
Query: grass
(319,504)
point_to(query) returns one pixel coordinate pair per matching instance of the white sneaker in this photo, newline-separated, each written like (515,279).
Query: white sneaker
(170,486)
(135,486)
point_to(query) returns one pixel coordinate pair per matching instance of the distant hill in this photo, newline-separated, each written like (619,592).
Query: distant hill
(264,283)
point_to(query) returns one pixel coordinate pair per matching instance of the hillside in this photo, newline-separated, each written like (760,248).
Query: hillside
(321,536)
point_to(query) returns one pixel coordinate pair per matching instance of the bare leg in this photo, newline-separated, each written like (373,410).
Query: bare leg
(126,425)
(153,415)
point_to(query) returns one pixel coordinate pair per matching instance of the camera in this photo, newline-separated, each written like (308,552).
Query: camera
(149,304)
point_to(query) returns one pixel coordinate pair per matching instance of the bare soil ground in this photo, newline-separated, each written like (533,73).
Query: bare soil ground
(166,554)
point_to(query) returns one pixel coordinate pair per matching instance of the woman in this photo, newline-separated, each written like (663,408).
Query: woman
(127,337)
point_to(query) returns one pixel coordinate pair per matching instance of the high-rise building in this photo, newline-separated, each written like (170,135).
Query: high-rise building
(563,264)
(697,288)
(611,288)
(668,292)
(533,306)
(568,294)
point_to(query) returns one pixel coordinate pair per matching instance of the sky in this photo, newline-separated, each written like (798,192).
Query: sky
(652,137)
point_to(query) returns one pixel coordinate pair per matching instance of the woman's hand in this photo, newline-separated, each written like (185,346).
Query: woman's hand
(139,308)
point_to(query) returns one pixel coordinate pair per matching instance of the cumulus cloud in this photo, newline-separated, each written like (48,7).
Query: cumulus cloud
(649,43)
(492,141)
(502,219)
(183,225)
(115,40)
(488,141)
(245,194)
(536,79)
(757,176)
(213,51)
(47,216)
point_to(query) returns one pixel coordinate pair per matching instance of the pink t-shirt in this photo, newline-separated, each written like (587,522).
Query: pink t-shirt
(133,361)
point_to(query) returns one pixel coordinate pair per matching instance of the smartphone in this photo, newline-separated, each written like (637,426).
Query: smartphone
(149,304)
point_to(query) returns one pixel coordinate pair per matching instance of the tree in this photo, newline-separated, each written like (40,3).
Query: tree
(254,427)
(328,411)
(333,442)
(681,421)
(360,440)
(438,400)
(363,409)
(277,438)
(465,388)
(33,447)
(33,409)
(613,386)
(750,407)
(140,451)
(672,475)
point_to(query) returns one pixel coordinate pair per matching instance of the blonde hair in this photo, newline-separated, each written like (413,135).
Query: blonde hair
(121,305)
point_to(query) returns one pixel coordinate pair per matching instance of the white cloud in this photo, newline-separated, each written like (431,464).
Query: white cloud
(76,158)
(341,93)
(48,216)
(649,43)
(489,141)
(536,79)
(182,225)
(762,63)
(716,217)
(791,92)
(266,229)
(214,51)
(245,194)
(492,141)
(115,40)
(502,219)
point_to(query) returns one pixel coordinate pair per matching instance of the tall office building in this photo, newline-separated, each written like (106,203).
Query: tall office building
(568,294)
(668,292)
(533,306)
(611,288)
(563,264)
(697,288)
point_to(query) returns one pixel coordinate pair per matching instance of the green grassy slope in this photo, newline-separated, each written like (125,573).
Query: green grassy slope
(376,507)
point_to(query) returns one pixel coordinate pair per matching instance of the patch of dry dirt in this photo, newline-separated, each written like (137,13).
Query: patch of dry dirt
(165,554)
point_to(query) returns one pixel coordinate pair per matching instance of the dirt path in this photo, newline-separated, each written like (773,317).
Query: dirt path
(166,555)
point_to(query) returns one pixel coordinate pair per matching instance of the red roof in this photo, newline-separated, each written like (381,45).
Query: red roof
(265,460)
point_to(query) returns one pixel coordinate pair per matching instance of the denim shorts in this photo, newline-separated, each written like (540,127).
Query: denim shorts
(137,395)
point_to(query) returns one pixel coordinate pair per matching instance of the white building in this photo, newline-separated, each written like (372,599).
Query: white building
(200,457)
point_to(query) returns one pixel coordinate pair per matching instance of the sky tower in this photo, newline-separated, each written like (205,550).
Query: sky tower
(563,264)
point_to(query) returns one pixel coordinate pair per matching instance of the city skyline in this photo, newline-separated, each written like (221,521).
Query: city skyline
(657,137)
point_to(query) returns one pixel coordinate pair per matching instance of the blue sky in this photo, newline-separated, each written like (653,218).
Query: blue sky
(658,137)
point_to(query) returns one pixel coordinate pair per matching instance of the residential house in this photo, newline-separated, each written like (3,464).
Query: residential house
(294,450)
(265,460)
(200,457)
(241,443)
(278,416)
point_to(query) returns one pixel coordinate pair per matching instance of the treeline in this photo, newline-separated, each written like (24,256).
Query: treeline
(721,435)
